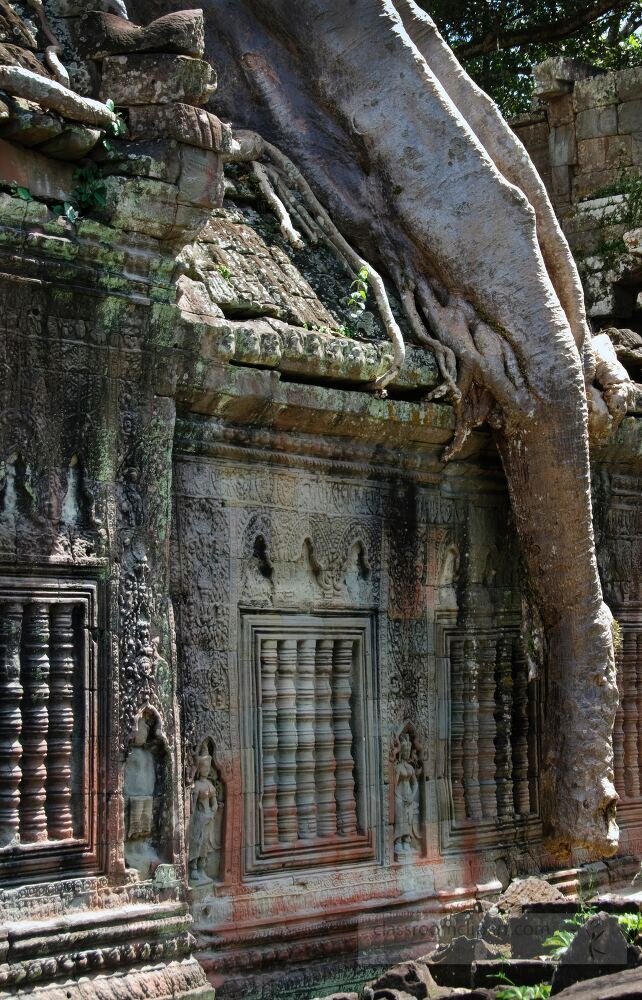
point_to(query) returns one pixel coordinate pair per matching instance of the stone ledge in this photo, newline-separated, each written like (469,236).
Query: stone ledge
(175,981)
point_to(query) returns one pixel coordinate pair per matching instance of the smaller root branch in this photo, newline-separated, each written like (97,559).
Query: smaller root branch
(277,206)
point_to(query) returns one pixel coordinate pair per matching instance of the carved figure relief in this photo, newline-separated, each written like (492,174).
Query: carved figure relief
(408,773)
(143,791)
(203,814)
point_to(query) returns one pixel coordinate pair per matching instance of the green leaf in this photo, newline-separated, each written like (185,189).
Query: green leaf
(110,104)
(24,193)
(71,213)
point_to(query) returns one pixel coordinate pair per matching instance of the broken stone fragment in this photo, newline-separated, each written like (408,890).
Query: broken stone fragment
(101,34)
(599,948)
(410,977)
(73,142)
(156,78)
(54,96)
(194,126)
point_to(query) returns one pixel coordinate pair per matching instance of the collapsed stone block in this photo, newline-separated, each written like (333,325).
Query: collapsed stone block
(193,126)
(156,78)
(101,34)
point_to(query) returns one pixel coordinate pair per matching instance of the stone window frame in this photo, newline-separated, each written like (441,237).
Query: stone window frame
(473,835)
(83,854)
(363,848)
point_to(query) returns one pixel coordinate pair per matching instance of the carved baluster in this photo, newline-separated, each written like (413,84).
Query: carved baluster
(305,790)
(10,723)
(341,693)
(35,721)
(638,676)
(630,713)
(287,741)
(618,732)
(269,740)
(457,728)
(471,732)
(325,763)
(61,723)
(503,739)
(487,728)
(533,745)
(521,797)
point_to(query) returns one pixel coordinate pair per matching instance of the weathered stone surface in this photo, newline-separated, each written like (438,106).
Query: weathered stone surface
(13,30)
(451,964)
(14,55)
(151,207)
(617,986)
(630,116)
(40,175)
(598,948)
(411,977)
(27,124)
(555,76)
(102,34)
(629,86)
(193,126)
(596,122)
(595,92)
(527,890)
(562,146)
(156,78)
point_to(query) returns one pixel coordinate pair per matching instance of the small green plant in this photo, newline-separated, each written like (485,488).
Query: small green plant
(356,300)
(539,992)
(631,924)
(225,272)
(115,129)
(21,192)
(68,210)
(559,942)
(90,192)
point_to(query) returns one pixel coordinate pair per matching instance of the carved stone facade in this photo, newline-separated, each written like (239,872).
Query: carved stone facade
(266,699)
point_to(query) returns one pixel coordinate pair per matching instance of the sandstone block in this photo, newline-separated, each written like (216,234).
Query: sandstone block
(556,76)
(595,92)
(151,207)
(630,116)
(156,78)
(636,150)
(560,110)
(561,182)
(410,977)
(591,154)
(40,175)
(155,158)
(101,34)
(562,146)
(193,126)
(630,83)
(598,948)
(596,122)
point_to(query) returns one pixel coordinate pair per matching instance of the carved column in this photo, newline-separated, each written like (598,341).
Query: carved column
(35,722)
(457,728)
(630,713)
(10,722)
(638,669)
(471,733)
(533,745)
(325,762)
(269,740)
(61,723)
(342,690)
(287,741)
(487,728)
(521,797)
(305,790)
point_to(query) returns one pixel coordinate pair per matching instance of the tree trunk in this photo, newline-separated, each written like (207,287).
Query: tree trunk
(425,187)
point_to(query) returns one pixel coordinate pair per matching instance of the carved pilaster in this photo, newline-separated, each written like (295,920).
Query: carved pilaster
(630,713)
(471,733)
(325,762)
(287,741)
(305,790)
(269,740)
(521,795)
(486,689)
(10,722)
(618,734)
(504,730)
(342,690)
(61,723)
(35,721)
(457,728)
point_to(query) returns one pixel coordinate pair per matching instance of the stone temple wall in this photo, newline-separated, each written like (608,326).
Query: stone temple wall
(266,717)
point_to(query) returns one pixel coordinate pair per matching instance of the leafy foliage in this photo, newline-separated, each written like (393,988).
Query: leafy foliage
(511,992)
(499,41)
(631,925)
(559,942)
